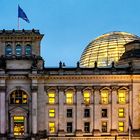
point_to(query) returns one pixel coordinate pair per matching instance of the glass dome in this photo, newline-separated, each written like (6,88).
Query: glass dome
(105,49)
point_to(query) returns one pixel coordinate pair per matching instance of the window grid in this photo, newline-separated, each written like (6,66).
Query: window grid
(122,96)
(86,95)
(51,113)
(51,97)
(104,96)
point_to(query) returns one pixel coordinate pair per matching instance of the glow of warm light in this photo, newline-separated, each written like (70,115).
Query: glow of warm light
(105,49)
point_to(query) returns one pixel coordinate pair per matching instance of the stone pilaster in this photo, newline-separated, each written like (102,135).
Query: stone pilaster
(96,123)
(2,111)
(34,110)
(79,111)
(61,121)
(114,110)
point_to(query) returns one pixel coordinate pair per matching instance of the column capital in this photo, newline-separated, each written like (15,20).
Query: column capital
(61,88)
(2,88)
(34,88)
(97,88)
(114,88)
(79,88)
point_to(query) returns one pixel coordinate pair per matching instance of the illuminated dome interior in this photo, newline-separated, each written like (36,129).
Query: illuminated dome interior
(105,49)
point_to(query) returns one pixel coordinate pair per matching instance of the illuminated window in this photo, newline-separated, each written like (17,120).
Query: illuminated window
(51,97)
(8,50)
(18,97)
(104,96)
(51,113)
(122,96)
(18,50)
(121,126)
(104,126)
(69,97)
(121,112)
(18,125)
(51,127)
(28,50)
(86,95)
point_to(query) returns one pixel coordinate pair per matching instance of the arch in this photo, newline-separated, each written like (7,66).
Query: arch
(18,50)
(18,97)
(8,50)
(28,50)
(17,88)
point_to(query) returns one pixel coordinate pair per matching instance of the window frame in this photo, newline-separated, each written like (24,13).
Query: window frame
(121,111)
(69,127)
(121,126)
(104,113)
(69,113)
(69,97)
(87,127)
(86,97)
(86,112)
(8,46)
(52,127)
(105,96)
(18,50)
(122,96)
(51,97)
(104,127)
(26,50)
(51,113)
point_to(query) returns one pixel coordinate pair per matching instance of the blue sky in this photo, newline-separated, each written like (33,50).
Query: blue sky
(69,25)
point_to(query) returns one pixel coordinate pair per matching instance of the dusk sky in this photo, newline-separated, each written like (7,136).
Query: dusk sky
(69,25)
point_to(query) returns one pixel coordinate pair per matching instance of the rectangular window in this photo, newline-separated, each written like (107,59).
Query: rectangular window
(121,126)
(104,126)
(18,125)
(122,96)
(69,113)
(86,95)
(104,97)
(51,97)
(87,127)
(51,113)
(87,112)
(69,127)
(121,112)
(69,98)
(51,127)
(104,113)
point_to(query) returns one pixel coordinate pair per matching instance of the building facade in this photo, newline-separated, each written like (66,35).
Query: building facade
(62,103)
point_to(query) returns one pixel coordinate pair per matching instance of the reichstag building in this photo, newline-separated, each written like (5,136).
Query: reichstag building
(99,99)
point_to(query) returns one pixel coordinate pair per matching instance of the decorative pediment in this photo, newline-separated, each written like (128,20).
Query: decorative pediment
(18,111)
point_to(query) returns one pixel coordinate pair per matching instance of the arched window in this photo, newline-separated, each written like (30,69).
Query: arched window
(51,97)
(28,50)
(18,97)
(69,97)
(18,50)
(122,96)
(86,95)
(104,96)
(8,50)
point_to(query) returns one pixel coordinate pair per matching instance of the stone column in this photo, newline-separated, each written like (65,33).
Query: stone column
(79,111)
(2,112)
(114,110)
(61,113)
(34,110)
(97,112)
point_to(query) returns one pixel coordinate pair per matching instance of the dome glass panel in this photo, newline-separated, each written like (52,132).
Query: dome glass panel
(105,49)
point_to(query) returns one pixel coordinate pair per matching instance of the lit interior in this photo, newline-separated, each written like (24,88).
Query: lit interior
(105,49)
